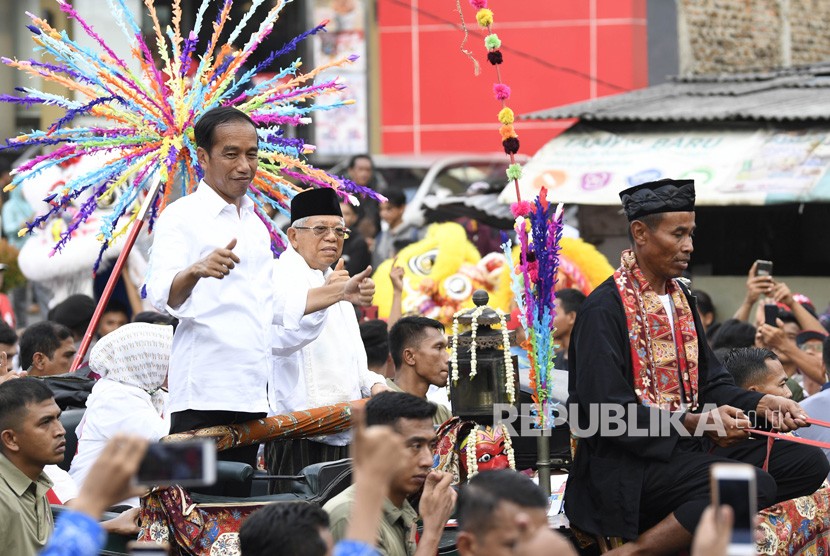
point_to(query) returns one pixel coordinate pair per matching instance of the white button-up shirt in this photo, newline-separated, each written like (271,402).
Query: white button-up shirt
(328,370)
(220,357)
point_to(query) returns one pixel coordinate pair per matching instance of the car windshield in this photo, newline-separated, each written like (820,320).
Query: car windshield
(452,180)
(407,179)
(456,179)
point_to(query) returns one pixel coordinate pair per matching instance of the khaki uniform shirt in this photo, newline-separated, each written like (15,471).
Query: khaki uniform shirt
(441,416)
(396,530)
(25,514)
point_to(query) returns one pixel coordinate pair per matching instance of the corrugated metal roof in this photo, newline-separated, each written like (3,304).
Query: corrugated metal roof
(787,95)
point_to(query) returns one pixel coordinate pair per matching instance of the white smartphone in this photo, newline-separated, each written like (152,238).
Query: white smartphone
(734,484)
(190,463)
(139,548)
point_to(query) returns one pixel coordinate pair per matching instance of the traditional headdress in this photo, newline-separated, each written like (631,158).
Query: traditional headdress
(654,197)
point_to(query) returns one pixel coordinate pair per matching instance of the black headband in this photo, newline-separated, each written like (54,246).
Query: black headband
(654,197)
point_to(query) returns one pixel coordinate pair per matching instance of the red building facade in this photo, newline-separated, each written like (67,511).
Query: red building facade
(555,53)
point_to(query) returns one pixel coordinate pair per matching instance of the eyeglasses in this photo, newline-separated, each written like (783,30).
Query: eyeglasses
(321,231)
(814,347)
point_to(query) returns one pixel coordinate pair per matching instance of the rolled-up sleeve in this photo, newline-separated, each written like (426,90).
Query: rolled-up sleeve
(290,298)
(169,255)
(286,341)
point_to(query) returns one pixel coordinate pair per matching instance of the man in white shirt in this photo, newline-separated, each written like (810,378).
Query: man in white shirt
(333,367)
(211,267)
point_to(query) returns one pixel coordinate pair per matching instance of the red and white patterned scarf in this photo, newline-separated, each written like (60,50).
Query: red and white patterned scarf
(665,366)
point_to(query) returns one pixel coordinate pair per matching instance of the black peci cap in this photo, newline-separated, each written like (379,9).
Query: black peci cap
(315,202)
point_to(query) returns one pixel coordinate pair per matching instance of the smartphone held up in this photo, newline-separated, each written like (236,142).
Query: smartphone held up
(190,463)
(734,485)
(763,268)
(139,548)
(771,314)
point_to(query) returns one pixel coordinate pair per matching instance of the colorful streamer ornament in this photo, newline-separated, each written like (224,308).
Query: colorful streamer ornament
(510,139)
(143,120)
(533,281)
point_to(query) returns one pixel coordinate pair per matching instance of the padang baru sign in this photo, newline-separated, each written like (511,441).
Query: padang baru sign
(752,167)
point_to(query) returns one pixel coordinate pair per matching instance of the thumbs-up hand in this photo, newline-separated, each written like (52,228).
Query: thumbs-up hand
(360,289)
(218,263)
(339,275)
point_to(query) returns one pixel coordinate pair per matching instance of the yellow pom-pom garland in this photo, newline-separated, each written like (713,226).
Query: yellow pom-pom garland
(484,17)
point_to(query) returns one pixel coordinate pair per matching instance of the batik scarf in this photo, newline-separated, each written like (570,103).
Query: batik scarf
(665,366)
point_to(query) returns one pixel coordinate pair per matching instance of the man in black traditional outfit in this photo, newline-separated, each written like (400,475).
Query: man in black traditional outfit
(638,342)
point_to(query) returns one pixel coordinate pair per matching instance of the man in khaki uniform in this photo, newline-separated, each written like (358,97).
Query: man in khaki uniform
(31,437)
(411,417)
(419,351)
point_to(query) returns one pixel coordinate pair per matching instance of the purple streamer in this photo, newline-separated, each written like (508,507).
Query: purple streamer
(223,67)
(187,52)
(277,244)
(154,210)
(275,139)
(87,208)
(303,178)
(57,69)
(100,256)
(57,153)
(26,101)
(354,189)
(290,46)
(267,119)
(71,114)
(305,90)
(12,144)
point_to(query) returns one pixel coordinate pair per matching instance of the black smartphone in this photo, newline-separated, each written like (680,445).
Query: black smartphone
(763,268)
(190,463)
(733,484)
(771,314)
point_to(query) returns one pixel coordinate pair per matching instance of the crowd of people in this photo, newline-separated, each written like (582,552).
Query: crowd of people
(237,335)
